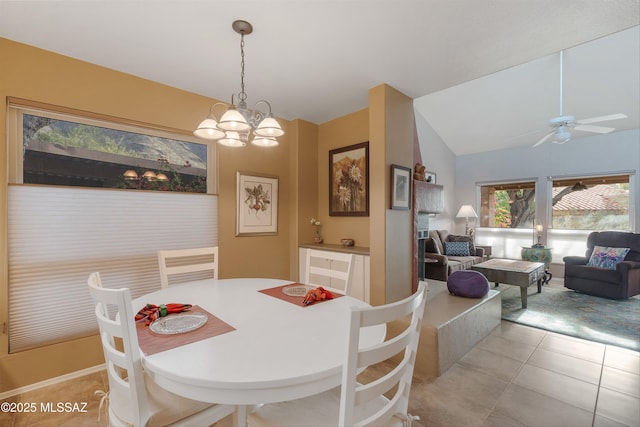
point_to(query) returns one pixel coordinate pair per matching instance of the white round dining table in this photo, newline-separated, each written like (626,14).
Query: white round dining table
(278,351)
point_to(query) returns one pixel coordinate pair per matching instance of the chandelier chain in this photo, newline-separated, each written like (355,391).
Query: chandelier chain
(242,95)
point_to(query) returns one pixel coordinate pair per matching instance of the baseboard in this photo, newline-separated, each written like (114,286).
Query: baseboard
(51,381)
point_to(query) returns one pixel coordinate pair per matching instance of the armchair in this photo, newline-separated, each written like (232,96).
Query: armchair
(619,283)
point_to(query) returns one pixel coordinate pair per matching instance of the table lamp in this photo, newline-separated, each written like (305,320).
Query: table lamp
(539,235)
(466,212)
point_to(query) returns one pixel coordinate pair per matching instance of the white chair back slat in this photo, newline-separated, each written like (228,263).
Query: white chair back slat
(127,397)
(129,403)
(384,400)
(175,262)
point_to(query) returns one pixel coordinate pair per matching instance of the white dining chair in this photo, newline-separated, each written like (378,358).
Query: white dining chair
(353,403)
(134,398)
(329,269)
(181,262)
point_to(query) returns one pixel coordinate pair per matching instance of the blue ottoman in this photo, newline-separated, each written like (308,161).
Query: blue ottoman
(468,283)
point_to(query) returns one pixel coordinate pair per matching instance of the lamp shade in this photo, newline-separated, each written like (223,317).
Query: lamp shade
(232,139)
(264,142)
(269,127)
(466,211)
(233,120)
(130,174)
(208,129)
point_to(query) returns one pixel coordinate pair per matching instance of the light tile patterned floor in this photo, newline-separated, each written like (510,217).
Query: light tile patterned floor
(517,376)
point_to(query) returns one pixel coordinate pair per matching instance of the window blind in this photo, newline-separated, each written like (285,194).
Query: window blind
(59,235)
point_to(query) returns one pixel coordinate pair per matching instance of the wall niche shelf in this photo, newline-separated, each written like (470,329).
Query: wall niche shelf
(429,198)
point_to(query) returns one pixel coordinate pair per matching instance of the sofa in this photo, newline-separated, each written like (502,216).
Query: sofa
(439,265)
(613,279)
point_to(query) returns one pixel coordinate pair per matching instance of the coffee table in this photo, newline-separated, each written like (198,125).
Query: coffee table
(513,272)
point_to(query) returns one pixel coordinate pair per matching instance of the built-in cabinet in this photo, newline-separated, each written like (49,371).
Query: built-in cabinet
(360,280)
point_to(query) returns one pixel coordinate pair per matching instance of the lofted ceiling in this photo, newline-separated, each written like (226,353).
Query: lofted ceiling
(484,73)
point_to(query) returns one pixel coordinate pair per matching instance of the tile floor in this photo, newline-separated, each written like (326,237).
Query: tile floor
(517,376)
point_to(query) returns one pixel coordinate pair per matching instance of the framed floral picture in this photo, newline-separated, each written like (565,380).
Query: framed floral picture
(400,187)
(256,204)
(349,180)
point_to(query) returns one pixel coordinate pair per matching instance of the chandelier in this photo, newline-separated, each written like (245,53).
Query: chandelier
(238,122)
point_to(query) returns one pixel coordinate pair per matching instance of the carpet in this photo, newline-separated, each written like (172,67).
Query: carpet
(615,322)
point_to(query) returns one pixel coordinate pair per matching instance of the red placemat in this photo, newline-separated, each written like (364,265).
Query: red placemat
(151,343)
(277,293)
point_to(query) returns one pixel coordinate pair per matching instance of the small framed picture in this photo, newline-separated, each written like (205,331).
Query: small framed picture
(430,177)
(257,204)
(400,187)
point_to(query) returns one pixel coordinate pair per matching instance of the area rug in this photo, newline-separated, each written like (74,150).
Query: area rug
(615,322)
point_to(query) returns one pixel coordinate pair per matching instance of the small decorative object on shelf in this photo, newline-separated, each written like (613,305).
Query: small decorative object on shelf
(317,238)
(347,242)
(419,172)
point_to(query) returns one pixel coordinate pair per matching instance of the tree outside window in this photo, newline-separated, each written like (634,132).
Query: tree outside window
(508,205)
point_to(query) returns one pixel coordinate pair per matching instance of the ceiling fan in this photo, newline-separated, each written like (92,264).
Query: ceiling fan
(562,124)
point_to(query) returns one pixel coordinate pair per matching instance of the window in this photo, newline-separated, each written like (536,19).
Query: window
(76,150)
(60,232)
(591,203)
(508,205)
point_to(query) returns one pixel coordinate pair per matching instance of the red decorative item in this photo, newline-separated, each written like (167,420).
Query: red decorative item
(317,294)
(151,312)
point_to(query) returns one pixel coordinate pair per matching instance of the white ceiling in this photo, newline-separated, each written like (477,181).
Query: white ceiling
(316,60)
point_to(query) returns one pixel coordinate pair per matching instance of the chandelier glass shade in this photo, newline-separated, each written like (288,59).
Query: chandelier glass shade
(238,123)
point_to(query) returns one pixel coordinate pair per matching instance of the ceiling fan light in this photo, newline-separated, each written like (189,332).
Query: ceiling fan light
(232,139)
(265,142)
(269,127)
(232,120)
(561,136)
(208,129)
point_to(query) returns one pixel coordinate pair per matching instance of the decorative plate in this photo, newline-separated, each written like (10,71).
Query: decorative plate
(296,290)
(178,324)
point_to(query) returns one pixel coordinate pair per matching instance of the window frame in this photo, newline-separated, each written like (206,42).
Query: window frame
(507,185)
(592,179)
(17,107)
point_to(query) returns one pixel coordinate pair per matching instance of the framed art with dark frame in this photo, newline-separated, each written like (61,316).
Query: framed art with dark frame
(349,180)
(400,187)
(256,204)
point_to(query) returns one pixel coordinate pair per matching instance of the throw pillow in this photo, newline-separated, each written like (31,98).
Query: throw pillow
(605,257)
(457,248)
(468,239)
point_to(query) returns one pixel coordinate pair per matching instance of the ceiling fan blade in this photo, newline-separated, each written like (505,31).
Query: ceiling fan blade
(544,138)
(596,129)
(602,118)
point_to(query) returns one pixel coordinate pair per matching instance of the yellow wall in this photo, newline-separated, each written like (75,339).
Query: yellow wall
(341,132)
(43,76)
(301,163)
(388,126)
(391,139)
